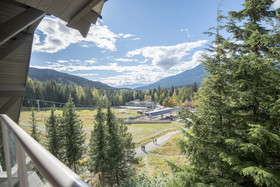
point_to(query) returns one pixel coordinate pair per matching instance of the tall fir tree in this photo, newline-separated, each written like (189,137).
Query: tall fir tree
(34,131)
(53,137)
(73,134)
(115,147)
(97,147)
(256,95)
(112,153)
(126,166)
(234,140)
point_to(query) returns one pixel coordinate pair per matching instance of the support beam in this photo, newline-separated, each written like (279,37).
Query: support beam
(14,44)
(8,104)
(13,90)
(18,23)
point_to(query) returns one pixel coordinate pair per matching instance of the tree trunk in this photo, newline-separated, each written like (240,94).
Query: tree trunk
(102,178)
(117,177)
(75,169)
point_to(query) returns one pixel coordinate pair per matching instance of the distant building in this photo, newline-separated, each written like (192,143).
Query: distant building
(133,108)
(159,112)
(137,103)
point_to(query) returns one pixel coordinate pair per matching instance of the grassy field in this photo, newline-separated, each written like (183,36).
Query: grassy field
(141,132)
(155,162)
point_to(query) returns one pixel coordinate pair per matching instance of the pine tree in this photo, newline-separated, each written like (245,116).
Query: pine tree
(97,146)
(234,140)
(53,137)
(125,168)
(256,95)
(114,148)
(73,134)
(34,131)
(112,153)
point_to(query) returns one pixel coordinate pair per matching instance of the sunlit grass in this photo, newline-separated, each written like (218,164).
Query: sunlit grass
(155,162)
(141,132)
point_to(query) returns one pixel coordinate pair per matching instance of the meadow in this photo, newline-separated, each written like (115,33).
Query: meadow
(155,163)
(141,133)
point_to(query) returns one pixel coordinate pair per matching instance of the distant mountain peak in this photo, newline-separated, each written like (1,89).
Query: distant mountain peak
(187,77)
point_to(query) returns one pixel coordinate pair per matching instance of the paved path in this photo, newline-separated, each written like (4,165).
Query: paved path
(39,128)
(151,146)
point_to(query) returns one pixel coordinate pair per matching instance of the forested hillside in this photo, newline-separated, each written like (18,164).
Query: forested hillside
(53,91)
(64,78)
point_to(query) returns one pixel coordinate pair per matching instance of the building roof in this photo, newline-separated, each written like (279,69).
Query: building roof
(18,21)
(159,112)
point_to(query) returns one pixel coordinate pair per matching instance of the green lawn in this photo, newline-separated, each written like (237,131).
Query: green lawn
(154,163)
(140,132)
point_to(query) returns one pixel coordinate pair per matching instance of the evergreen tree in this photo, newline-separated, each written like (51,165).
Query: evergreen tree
(195,88)
(111,152)
(34,131)
(53,137)
(114,148)
(125,168)
(97,146)
(234,141)
(73,134)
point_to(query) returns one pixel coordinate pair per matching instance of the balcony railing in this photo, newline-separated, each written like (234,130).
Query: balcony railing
(27,163)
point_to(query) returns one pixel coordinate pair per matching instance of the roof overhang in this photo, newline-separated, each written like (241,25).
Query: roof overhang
(18,21)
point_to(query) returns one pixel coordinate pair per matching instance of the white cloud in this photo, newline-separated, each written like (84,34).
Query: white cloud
(195,61)
(150,74)
(276,4)
(128,35)
(91,61)
(166,56)
(144,61)
(133,78)
(187,31)
(126,60)
(184,30)
(57,36)
(132,74)
(74,60)
(110,67)
(86,74)
(136,38)
(62,61)
(36,39)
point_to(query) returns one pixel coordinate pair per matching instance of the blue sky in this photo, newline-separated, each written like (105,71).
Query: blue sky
(136,42)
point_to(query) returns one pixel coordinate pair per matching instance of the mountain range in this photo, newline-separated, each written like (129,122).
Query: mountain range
(187,77)
(64,78)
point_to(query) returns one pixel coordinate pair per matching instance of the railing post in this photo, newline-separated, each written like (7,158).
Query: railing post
(21,161)
(7,152)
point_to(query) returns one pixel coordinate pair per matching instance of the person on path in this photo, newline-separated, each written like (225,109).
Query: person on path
(143,147)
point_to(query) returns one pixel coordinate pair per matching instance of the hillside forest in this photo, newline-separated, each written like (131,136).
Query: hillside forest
(89,97)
